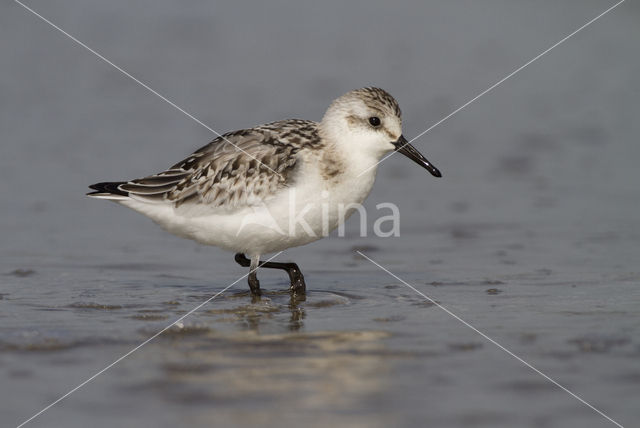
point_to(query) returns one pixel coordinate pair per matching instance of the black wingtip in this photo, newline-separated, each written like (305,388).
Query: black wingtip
(110,187)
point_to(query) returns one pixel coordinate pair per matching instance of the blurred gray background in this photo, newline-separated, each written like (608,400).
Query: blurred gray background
(532,235)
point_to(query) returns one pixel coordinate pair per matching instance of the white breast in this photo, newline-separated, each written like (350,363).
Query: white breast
(306,211)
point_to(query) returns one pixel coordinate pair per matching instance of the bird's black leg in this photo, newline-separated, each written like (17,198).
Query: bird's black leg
(254,284)
(298,285)
(296,278)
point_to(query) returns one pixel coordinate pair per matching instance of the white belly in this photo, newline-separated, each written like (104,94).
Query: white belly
(295,216)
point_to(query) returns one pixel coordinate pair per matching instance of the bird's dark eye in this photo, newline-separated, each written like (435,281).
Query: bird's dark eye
(374,121)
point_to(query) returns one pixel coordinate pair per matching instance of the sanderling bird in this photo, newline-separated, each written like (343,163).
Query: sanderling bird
(276,186)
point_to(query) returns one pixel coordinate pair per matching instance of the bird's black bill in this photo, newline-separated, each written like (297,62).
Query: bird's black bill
(403,146)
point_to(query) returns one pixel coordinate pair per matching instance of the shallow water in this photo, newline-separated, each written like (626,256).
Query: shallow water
(532,236)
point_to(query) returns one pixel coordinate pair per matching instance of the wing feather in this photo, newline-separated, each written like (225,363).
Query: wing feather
(236,170)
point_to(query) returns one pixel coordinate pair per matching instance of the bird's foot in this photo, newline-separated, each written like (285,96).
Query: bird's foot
(298,286)
(254,285)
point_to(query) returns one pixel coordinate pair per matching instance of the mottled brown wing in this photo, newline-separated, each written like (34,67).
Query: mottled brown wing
(239,169)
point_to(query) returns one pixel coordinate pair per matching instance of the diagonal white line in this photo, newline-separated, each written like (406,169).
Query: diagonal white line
(144,85)
(142,344)
(577,397)
(499,82)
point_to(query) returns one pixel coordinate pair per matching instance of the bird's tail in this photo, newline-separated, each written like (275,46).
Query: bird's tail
(109,190)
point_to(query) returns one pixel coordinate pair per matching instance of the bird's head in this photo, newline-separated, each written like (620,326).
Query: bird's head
(368,121)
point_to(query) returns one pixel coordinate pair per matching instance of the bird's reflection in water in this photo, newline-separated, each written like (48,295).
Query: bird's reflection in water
(297,312)
(338,373)
(272,308)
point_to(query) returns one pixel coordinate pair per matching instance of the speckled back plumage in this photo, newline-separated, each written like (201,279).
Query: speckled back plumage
(238,169)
